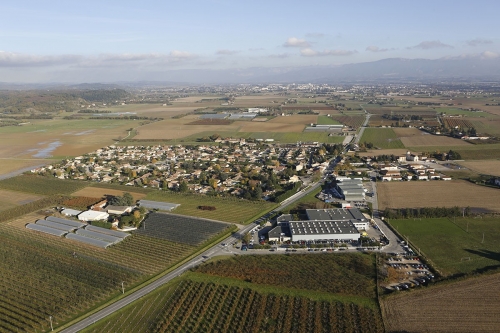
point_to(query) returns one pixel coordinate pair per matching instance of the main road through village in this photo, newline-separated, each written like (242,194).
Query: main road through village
(220,249)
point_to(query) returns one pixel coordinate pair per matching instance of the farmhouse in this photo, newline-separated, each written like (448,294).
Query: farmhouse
(118,210)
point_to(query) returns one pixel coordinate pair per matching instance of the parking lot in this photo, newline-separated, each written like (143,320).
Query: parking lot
(410,271)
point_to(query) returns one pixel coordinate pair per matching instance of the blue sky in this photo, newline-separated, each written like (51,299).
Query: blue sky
(57,40)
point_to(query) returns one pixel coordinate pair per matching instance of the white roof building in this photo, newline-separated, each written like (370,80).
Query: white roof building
(93,215)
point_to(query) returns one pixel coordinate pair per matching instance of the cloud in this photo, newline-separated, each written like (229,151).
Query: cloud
(226,52)
(315,35)
(489,55)
(279,56)
(431,44)
(373,48)
(9,59)
(478,41)
(312,53)
(295,42)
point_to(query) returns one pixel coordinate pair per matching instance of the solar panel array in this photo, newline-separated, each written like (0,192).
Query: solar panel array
(96,236)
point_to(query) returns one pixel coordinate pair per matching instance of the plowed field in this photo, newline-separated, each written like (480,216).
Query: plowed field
(437,193)
(466,306)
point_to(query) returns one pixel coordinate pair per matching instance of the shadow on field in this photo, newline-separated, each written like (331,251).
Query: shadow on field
(488,255)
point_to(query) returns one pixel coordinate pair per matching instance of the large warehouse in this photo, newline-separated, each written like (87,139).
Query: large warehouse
(341,225)
(351,189)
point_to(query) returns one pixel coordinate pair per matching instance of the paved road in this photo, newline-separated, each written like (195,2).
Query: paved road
(362,129)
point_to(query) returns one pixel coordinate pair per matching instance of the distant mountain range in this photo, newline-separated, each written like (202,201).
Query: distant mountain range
(384,71)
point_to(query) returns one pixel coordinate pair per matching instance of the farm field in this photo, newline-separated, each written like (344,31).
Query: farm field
(467,151)
(351,121)
(302,119)
(227,209)
(417,194)
(384,138)
(9,199)
(486,167)
(202,302)
(467,306)
(10,165)
(59,137)
(455,245)
(153,110)
(45,275)
(99,192)
(412,137)
(490,126)
(41,185)
(376,152)
(324,120)
(180,229)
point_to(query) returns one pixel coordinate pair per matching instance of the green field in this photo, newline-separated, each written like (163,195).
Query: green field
(467,152)
(301,293)
(455,111)
(455,246)
(324,120)
(41,185)
(227,209)
(383,138)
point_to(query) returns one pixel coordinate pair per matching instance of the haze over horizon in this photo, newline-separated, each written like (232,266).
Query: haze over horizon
(131,41)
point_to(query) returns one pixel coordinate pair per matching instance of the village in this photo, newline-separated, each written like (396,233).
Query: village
(251,170)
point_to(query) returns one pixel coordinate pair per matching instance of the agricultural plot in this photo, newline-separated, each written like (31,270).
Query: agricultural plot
(227,302)
(44,275)
(455,245)
(208,307)
(324,120)
(489,126)
(100,192)
(180,229)
(418,194)
(467,306)
(226,209)
(9,199)
(412,137)
(41,185)
(485,167)
(384,138)
(60,138)
(10,167)
(457,123)
(353,274)
(351,121)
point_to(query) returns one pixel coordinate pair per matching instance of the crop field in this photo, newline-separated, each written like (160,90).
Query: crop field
(269,126)
(59,137)
(490,126)
(324,120)
(11,165)
(9,199)
(261,300)
(384,138)
(303,119)
(455,245)
(154,110)
(176,128)
(487,167)
(227,209)
(41,185)
(469,306)
(354,274)
(98,192)
(180,229)
(418,194)
(210,122)
(412,137)
(351,121)
(467,151)
(457,123)
(44,275)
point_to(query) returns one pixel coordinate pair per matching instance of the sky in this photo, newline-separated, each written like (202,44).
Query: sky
(109,40)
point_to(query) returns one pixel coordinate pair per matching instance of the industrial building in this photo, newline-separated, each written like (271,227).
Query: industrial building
(351,189)
(341,225)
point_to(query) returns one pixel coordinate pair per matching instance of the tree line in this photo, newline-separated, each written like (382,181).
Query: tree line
(426,212)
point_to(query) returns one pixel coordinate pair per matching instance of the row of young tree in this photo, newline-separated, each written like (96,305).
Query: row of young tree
(426,212)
